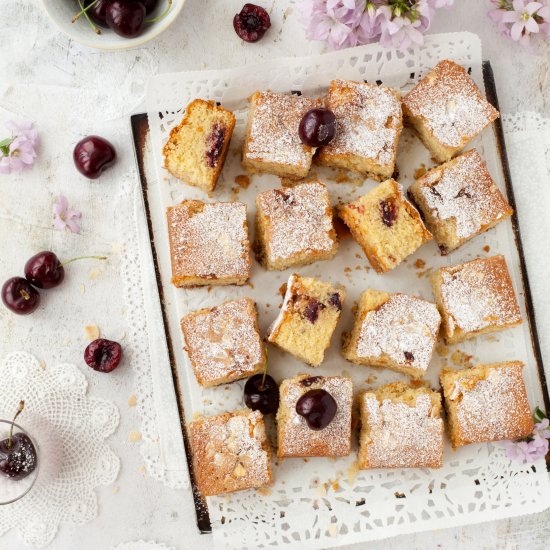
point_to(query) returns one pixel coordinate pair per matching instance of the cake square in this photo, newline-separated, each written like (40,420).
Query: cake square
(395,331)
(309,314)
(294,226)
(295,437)
(272,143)
(369,122)
(208,243)
(197,148)
(401,427)
(475,298)
(459,200)
(386,225)
(486,403)
(447,110)
(223,342)
(230,452)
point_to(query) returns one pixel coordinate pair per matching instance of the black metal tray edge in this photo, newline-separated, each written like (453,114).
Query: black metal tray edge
(140,128)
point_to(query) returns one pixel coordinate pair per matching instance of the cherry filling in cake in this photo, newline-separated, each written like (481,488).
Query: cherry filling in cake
(214,145)
(388,211)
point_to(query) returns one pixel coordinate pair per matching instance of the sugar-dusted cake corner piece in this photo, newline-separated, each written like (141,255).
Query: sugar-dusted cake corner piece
(230,452)
(314,416)
(394,331)
(197,148)
(459,200)
(369,122)
(486,403)
(474,298)
(223,342)
(386,225)
(272,143)
(308,317)
(401,427)
(208,243)
(294,226)
(447,110)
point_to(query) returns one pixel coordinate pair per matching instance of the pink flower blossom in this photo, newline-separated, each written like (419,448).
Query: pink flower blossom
(18,151)
(534,446)
(64,217)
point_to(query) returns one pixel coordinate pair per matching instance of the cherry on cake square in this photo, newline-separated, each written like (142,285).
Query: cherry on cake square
(296,437)
(447,110)
(272,143)
(294,226)
(197,148)
(230,452)
(395,331)
(368,126)
(386,225)
(208,243)
(309,314)
(459,200)
(401,427)
(223,342)
(475,298)
(486,403)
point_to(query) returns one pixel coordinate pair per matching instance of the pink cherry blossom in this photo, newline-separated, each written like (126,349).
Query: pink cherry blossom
(63,217)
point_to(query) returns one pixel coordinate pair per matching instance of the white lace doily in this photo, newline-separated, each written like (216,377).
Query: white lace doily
(142,545)
(70,429)
(328,503)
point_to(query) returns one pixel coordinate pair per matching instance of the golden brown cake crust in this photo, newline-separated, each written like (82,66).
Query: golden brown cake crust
(208,243)
(230,452)
(474,298)
(223,342)
(459,200)
(401,427)
(486,403)
(447,109)
(295,438)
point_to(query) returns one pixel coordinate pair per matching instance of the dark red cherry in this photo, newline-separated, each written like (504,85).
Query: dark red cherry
(150,5)
(92,155)
(261,395)
(125,17)
(103,355)
(317,407)
(17,456)
(251,23)
(20,296)
(97,12)
(388,211)
(44,270)
(317,127)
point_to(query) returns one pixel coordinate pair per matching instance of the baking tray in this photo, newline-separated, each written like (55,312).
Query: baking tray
(140,130)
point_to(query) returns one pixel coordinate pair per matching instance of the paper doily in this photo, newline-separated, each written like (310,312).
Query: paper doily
(142,545)
(70,430)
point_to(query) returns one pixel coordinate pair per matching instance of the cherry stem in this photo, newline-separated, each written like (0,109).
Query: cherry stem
(83,11)
(162,15)
(265,372)
(25,295)
(82,258)
(19,411)
(94,28)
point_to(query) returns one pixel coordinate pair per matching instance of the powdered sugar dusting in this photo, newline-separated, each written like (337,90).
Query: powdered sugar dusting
(209,240)
(223,341)
(401,436)
(404,328)
(369,121)
(463,190)
(450,104)
(273,133)
(229,453)
(300,220)
(478,294)
(495,408)
(296,438)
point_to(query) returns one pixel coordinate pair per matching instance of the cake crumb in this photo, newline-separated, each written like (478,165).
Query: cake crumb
(91,332)
(442,350)
(322,490)
(420,264)
(42,364)
(486,248)
(371,379)
(459,358)
(347,270)
(420,171)
(242,180)
(132,401)
(264,491)
(134,437)
(142,469)
(345,176)
(282,289)
(352,472)
(94,273)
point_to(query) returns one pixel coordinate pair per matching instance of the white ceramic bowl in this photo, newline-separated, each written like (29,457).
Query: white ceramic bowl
(62,12)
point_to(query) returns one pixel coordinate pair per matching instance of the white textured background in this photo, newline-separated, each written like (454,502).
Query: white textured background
(33,52)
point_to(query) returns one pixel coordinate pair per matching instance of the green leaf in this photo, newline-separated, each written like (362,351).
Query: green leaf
(539,414)
(6,142)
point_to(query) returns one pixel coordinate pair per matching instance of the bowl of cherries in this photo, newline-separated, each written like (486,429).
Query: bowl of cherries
(113,24)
